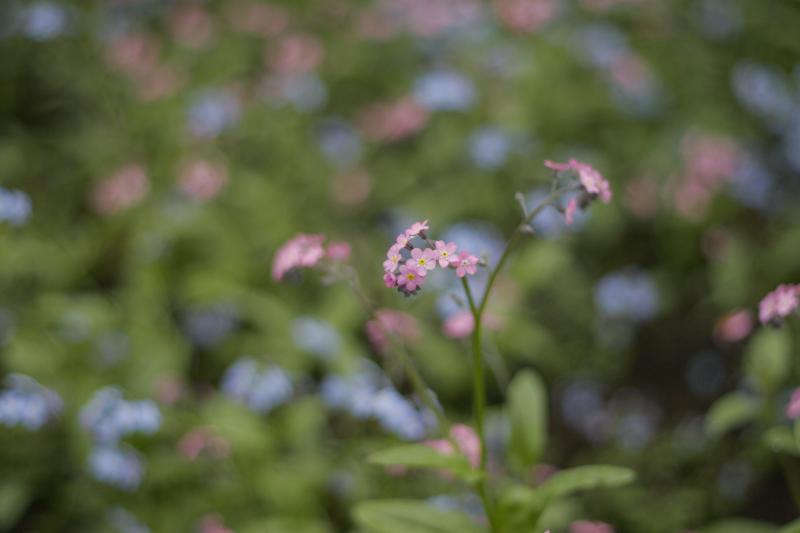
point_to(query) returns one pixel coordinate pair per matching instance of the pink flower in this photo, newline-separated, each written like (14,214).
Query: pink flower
(459,325)
(584,526)
(793,407)
(192,26)
(122,190)
(465,438)
(402,240)
(390,280)
(301,251)
(202,180)
(423,259)
(389,122)
(734,326)
(466,264)
(410,279)
(418,228)
(569,212)
(779,304)
(296,54)
(261,19)
(338,251)
(393,258)
(445,253)
(591,180)
(526,15)
(390,322)
(213,524)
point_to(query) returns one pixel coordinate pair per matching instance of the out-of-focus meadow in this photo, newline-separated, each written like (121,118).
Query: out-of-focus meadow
(154,155)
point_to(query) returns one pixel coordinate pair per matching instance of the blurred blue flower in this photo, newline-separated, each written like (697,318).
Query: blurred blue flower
(306,92)
(42,21)
(443,90)
(601,44)
(121,468)
(28,404)
(397,415)
(339,142)
(705,374)
(208,327)
(763,90)
(368,394)
(109,417)
(489,147)
(315,336)
(581,403)
(261,391)
(15,206)
(752,184)
(629,294)
(212,112)
(719,18)
(124,522)
(479,238)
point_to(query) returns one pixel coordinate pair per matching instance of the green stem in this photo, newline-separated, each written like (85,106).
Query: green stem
(479,381)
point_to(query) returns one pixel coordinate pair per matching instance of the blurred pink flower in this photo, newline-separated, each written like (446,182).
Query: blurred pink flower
(734,326)
(192,26)
(202,180)
(352,188)
(200,440)
(169,390)
(584,526)
(526,16)
(258,18)
(302,251)
(388,322)
(213,524)
(569,212)
(134,54)
(296,54)
(338,251)
(631,74)
(459,325)
(393,121)
(465,438)
(710,162)
(779,304)
(120,191)
(641,197)
(793,407)
(591,180)
(157,83)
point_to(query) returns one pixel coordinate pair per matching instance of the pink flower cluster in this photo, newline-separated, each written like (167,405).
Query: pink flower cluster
(306,251)
(779,304)
(389,323)
(593,185)
(406,265)
(465,438)
(793,407)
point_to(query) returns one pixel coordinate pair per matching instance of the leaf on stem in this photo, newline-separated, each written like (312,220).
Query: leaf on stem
(421,456)
(410,516)
(527,411)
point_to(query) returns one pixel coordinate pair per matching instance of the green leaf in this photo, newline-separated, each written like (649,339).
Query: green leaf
(579,478)
(791,527)
(410,516)
(780,439)
(527,411)
(767,357)
(729,411)
(421,456)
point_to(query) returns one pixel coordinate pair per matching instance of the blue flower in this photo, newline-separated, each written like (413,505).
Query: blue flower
(213,112)
(28,404)
(315,336)
(109,417)
(630,294)
(443,90)
(121,468)
(15,206)
(259,391)
(489,147)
